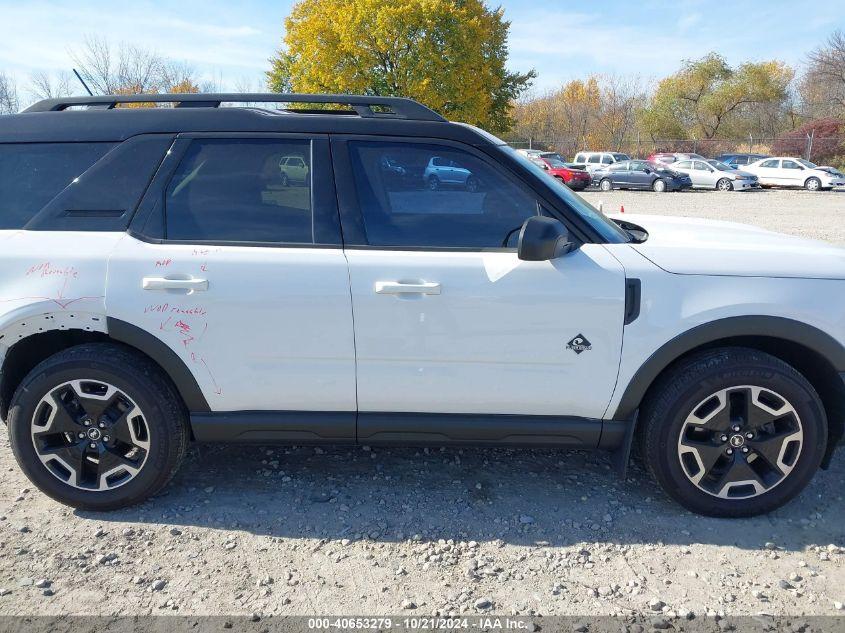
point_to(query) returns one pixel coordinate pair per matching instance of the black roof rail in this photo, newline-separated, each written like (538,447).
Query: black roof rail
(388,107)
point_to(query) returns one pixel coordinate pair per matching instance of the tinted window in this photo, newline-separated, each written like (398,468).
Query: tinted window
(594,159)
(580,158)
(32,174)
(242,190)
(790,164)
(770,163)
(473,206)
(607,160)
(684,164)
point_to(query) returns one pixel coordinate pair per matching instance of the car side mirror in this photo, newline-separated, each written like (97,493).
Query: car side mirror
(542,239)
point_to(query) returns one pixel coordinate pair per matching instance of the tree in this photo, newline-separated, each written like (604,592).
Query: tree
(828,142)
(46,86)
(596,112)
(822,87)
(448,54)
(131,70)
(8,95)
(707,98)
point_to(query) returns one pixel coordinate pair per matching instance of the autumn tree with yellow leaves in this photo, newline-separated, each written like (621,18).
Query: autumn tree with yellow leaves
(450,55)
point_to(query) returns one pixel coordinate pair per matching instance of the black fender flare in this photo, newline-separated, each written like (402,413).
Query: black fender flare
(731,327)
(166,358)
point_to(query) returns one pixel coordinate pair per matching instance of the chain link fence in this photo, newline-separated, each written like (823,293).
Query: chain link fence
(811,148)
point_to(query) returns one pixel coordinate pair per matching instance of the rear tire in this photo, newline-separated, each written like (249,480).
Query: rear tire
(725,472)
(434,183)
(98,427)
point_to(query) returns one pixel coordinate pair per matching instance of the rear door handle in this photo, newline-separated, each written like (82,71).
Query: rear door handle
(397,288)
(163,283)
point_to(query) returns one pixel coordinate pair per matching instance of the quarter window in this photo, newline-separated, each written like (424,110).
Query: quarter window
(436,197)
(242,190)
(32,174)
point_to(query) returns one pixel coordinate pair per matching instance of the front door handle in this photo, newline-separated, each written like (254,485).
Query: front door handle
(163,283)
(398,288)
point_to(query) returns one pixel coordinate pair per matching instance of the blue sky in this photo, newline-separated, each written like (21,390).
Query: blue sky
(230,42)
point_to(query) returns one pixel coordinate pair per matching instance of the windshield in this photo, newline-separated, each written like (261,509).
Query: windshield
(807,163)
(555,163)
(720,166)
(619,157)
(606,227)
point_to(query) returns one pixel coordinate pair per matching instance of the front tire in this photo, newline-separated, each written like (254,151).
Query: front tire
(724,184)
(813,184)
(659,186)
(434,183)
(606,184)
(733,432)
(98,427)
(472,184)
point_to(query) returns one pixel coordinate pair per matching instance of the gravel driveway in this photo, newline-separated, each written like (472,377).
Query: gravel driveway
(276,530)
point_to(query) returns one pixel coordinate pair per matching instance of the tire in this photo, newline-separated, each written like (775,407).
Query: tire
(433,183)
(813,184)
(658,186)
(144,414)
(724,184)
(606,184)
(285,180)
(716,477)
(472,184)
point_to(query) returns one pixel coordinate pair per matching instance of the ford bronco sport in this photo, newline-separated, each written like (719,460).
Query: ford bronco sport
(163,279)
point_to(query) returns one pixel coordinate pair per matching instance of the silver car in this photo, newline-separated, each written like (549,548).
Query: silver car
(711,174)
(444,172)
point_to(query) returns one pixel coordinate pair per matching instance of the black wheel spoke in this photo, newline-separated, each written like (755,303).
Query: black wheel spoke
(111,459)
(738,471)
(769,446)
(708,451)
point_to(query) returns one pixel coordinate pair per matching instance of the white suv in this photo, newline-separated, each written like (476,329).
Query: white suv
(163,282)
(599,160)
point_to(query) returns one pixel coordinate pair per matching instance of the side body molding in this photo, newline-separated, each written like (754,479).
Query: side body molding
(732,327)
(168,359)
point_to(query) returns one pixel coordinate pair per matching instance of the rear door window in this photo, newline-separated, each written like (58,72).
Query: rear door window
(32,174)
(242,190)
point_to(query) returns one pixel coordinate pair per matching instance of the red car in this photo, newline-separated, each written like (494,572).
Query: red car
(572,177)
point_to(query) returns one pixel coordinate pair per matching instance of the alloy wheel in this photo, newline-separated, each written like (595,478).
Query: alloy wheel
(740,442)
(90,435)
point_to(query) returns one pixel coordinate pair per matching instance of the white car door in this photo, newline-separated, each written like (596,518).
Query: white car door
(792,173)
(769,172)
(448,320)
(244,278)
(705,175)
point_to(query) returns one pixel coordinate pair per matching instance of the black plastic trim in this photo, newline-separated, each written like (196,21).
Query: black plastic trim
(633,292)
(167,359)
(307,427)
(478,430)
(765,326)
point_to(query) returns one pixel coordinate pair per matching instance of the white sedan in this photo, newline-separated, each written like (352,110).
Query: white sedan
(711,174)
(784,171)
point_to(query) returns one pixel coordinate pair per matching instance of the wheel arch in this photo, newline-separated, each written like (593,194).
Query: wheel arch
(812,352)
(39,343)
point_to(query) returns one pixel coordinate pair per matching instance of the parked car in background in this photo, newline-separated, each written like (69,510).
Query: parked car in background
(668,158)
(740,160)
(539,153)
(573,177)
(786,171)
(599,160)
(293,169)
(641,174)
(711,174)
(442,171)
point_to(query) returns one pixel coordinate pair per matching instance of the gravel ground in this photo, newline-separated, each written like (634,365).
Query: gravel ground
(275,530)
(819,215)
